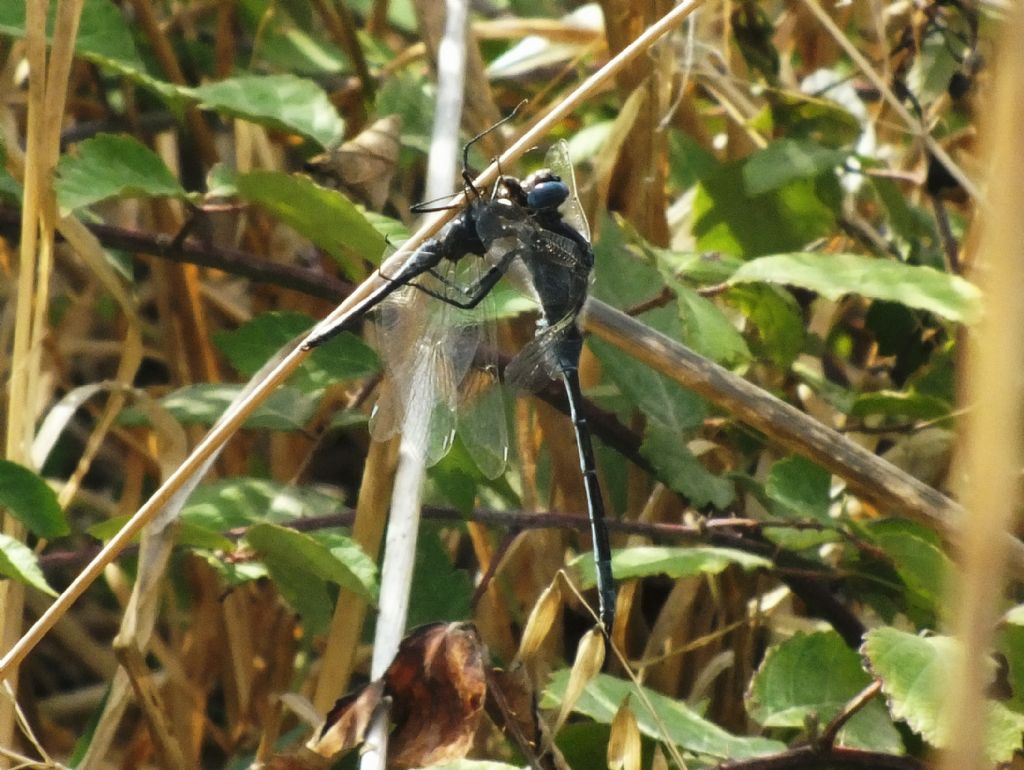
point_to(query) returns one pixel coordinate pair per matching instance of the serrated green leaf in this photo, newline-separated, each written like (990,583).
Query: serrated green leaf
(282,102)
(816,675)
(917,557)
(644,561)
(286,408)
(604,694)
(801,488)
(345,357)
(238,502)
(109,166)
(18,562)
(785,160)
(31,501)
(678,468)
(834,275)
(915,678)
(326,217)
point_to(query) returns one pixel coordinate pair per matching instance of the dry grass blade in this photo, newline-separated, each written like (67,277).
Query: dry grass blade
(993,450)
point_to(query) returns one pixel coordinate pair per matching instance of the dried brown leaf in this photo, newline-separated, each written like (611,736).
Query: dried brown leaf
(542,618)
(346,723)
(624,740)
(364,165)
(589,659)
(438,687)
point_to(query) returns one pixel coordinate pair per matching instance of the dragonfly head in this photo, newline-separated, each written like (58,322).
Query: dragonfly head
(510,189)
(545,190)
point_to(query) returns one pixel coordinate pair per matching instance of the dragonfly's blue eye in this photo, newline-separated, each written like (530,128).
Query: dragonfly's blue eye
(547,195)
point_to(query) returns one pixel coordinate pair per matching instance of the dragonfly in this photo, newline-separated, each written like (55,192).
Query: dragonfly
(535,231)
(429,356)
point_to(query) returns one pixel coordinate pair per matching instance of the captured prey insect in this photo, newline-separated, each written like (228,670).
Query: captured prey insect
(429,348)
(534,230)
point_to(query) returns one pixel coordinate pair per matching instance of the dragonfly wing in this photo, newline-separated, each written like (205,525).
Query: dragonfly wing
(456,336)
(559,162)
(395,338)
(539,361)
(483,423)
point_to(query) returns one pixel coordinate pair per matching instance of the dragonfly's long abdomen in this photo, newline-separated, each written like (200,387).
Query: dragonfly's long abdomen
(595,502)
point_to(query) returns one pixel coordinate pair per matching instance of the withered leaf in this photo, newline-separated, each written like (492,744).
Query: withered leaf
(438,687)
(364,165)
(346,723)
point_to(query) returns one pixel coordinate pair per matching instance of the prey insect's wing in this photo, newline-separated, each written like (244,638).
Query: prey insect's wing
(483,423)
(559,162)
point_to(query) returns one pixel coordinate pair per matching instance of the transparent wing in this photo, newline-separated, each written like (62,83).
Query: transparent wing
(538,362)
(412,336)
(457,340)
(483,423)
(559,162)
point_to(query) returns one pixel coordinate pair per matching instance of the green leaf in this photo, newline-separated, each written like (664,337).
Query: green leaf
(655,395)
(286,408)
(726,218)
(621,278)
(440,591)
(345,357)
(907,405)
(18,562)
(644,561)
(707,330)
(326,217)
(800,116)
(917,557)
(109,166)
(834,275)
(238,502)
(282,102)
(815,676)
(188,534)
(785,160)
(294,558)
(778,323)
(102,29)
(683,726)
(801,488)
(31,501)
(915,678)
(678,468)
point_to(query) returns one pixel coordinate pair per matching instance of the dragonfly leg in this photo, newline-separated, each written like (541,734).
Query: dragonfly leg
(474,292)
(606,590)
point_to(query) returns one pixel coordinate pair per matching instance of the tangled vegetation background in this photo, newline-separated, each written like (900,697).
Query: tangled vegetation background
(790,190)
